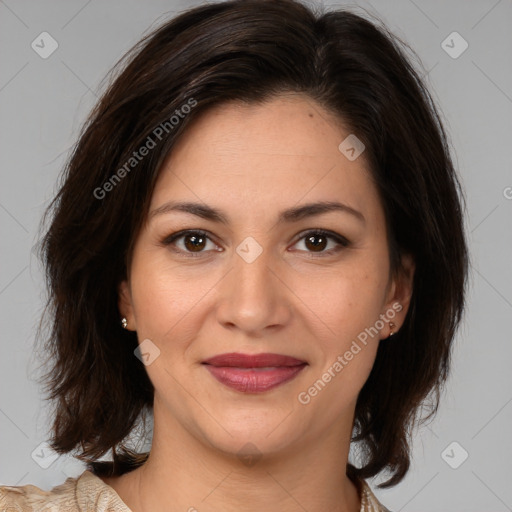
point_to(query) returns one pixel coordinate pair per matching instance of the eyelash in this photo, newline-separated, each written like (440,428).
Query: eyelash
(340,240)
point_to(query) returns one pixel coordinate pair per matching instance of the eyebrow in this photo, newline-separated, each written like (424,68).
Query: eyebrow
(290,215)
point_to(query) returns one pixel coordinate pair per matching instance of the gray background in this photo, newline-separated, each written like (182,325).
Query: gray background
(43,103)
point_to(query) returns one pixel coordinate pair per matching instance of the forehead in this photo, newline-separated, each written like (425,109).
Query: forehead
(267,155)
(288,124)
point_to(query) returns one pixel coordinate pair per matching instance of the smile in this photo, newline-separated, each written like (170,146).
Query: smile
(254,373)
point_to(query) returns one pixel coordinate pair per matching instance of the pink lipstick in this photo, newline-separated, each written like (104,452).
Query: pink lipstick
(253,373)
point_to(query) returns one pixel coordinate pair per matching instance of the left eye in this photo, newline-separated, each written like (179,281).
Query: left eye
(317,241)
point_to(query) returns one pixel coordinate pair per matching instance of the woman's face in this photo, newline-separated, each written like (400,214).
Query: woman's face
(258,278)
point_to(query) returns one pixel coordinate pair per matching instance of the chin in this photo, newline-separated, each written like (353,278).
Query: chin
(259,434)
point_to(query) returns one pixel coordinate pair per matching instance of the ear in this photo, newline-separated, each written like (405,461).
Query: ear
(399,296)
(125,305)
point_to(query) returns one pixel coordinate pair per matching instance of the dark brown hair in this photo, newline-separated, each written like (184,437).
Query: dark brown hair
(249,50)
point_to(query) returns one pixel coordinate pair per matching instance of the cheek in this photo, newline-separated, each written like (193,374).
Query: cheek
(349,306)
(345,300)
(357,318)
(165,297)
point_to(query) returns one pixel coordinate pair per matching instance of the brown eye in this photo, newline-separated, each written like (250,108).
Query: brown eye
(190,243)
(316,242)
(194,242)
(323,243)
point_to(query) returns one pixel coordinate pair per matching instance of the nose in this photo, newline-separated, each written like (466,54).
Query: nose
(253,296)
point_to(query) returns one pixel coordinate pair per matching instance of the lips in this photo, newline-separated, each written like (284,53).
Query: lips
(253,373)
(236,360)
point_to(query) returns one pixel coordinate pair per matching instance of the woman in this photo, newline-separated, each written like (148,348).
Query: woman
(259,242)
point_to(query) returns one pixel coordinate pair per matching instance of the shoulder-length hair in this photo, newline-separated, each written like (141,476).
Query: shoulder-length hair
(250,51)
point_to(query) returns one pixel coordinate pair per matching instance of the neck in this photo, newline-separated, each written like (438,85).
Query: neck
(183,473)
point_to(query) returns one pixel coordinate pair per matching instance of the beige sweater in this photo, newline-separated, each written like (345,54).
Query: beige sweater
(88,493)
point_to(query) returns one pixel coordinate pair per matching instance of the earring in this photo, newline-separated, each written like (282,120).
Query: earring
(124,323)
(391,327)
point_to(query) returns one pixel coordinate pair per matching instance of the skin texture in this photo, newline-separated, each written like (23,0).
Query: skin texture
(252,162)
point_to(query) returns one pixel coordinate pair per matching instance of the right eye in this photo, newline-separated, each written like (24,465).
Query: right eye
(189,243)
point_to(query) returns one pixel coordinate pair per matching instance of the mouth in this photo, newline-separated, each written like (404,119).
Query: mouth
(254,373)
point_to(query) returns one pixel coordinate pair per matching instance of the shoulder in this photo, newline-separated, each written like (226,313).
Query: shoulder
(85,493)
(29,498)
(369,503)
